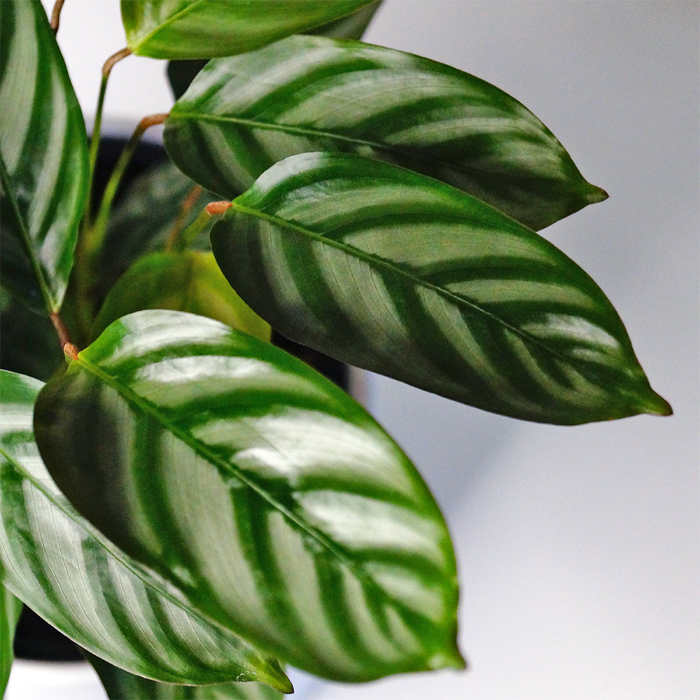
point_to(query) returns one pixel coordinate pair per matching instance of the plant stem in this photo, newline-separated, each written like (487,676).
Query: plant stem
(95,139)
(56,15)
(100,225)
(187,205)
(61,329)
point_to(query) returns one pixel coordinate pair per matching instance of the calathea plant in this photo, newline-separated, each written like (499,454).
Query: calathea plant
(190,504)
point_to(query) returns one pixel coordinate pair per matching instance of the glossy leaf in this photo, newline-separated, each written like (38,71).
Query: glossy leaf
(206,28)
(350,27)
(121,685)
(143,221)
(259,489)
(303,94)
(10,608)
(394,272)
(43,158)
(68,573)
(189,281)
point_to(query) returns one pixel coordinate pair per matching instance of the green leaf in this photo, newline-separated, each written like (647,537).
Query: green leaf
(207,28)
(394,272)
(62,568)
(262,491)
(43,158)
(10,608)
(144,220)
(121,685)
(28,342)
(303,94)
(350,27)
(189,281)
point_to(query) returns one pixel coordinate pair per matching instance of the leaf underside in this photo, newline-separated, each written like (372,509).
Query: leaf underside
(181,29)
(56,562)
(43,158)
(243,114)
(268,497)
(394,272)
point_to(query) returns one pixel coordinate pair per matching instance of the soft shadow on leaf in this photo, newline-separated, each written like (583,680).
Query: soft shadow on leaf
(266,495)
(69,574)
(394,272)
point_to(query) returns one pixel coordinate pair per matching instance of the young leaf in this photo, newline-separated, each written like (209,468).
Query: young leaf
(179,29)
(10,609)
(394,272)
(243,114)
(43,158)
(121,685)
(68,573)
(189,281)
(263,492)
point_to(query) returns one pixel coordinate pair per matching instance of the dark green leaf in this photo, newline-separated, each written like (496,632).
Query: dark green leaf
(243,114)
(121,685)
(144,220)
(350,27)
(182,73)
(263,492)
(43,158)
(206,28)
(68,573)
(10,608)
(28,341)
(189,281)
(403,275)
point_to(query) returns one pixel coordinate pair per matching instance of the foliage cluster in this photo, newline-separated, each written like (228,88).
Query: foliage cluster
(189,503)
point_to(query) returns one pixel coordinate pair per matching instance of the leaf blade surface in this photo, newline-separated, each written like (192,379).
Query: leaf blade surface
(243,114)
(10,608)
(260,490)
(394,272)
(182,29)
(68,573)
(43,158)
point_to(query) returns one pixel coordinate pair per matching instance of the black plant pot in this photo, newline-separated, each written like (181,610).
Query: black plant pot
(35,639)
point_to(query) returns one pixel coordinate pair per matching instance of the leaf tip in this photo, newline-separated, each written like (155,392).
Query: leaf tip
(596,194)
(656,405)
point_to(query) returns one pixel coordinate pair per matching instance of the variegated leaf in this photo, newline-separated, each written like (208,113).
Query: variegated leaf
(68,573)
(206,28)
(43,158)
(241,115)
(262,491)
(121,685)
(394,272)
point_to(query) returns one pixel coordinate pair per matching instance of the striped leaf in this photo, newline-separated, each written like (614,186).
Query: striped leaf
(10,609)
(189,281)
(179,29)
(258,488)
(68,573)
(43,158)
(121,685)
(241,115)
(403,275)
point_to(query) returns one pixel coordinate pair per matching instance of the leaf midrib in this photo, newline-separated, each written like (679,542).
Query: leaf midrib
(395,269)
(317,133)
(225,468)
(168,22)
(26,236)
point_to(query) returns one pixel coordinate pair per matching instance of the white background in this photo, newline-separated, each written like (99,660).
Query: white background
(578,548)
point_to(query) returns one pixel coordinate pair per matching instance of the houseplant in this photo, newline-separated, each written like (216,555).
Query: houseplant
(544,339)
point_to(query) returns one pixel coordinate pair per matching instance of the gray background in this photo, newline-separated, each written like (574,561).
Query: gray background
(578,548)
